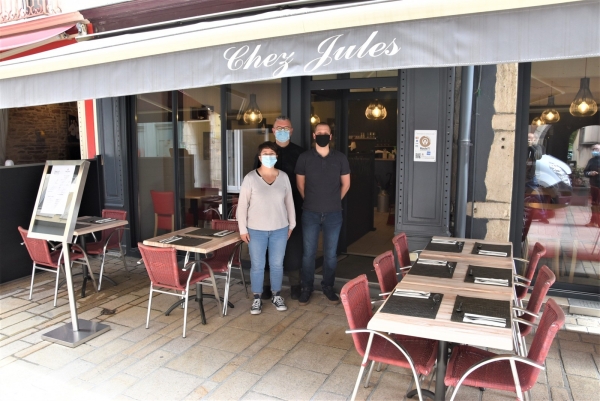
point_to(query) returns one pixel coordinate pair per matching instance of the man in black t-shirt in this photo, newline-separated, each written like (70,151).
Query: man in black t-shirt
(287,156)
(592,171)
(323,179)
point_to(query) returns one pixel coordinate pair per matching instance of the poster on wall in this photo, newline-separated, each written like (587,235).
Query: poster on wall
(425,145)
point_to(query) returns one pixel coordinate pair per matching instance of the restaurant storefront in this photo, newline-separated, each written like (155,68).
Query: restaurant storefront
(170,112)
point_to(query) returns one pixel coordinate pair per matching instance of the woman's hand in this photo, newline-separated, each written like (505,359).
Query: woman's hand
(245,237)
(289,233)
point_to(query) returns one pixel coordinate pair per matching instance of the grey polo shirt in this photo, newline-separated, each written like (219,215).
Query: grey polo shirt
(322,187)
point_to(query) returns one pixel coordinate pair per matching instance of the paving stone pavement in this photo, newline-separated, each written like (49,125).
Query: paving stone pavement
(300,354)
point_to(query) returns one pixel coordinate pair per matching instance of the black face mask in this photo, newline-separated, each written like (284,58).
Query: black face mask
(322,140)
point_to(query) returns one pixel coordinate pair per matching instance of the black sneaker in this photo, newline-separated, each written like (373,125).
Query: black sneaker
(329,292)
(277,301)
(304,297)
(266,294)
(256,307)
(296,290)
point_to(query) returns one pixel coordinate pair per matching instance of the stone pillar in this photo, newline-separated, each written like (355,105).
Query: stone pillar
(499,175)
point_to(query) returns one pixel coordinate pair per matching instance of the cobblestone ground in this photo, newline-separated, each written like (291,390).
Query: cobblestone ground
(299,354)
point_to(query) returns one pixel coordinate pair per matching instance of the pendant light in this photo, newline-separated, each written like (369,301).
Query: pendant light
(537,121)
(253,114)
(314,119)
(376,111)
(584,104)
(550,115)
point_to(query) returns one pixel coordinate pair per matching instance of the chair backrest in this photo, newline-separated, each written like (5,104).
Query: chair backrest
(552,320)
(538,251)
(386,272)
(212,214)
(233,212)
(164,202)
(543,282)
(115,240)
(225,225)
(357,304)
(161,265)
(401,247)
(38,249)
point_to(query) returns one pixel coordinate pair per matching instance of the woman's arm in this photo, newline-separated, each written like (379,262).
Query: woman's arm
(242,209)
(289,205)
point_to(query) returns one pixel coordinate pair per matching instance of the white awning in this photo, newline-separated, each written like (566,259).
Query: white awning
(376,35)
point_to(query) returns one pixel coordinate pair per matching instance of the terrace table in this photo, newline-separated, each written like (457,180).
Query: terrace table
(442,328)
(211,245)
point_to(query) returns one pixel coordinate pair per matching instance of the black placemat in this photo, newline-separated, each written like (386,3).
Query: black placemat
(421,269)
(417,307)
(80,226)
(487,272)
(204,232)
(480,306)
(492,248)
(190,241)
(90,220)
(435,247)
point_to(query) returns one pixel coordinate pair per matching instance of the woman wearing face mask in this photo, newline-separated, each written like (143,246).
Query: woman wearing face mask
(266,218)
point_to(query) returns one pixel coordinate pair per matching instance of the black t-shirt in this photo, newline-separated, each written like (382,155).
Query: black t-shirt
(322,188)
(286,162)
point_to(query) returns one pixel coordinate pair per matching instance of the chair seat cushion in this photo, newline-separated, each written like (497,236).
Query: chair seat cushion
(96,248)
(217,263)
(54,255)
(495,375)
(422,351)
(183,276)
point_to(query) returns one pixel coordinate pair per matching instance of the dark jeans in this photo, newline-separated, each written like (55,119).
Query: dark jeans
(312,224)
(595,217)
(292,262)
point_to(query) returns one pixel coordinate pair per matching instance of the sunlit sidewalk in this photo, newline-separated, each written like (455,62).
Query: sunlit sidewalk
(299,354)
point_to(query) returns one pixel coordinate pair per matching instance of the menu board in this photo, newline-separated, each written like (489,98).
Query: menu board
(59,196)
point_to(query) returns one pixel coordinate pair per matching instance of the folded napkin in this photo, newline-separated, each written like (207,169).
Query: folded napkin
(484,320)
(443,241)
(491,253)
(412,294)
(491,281)
(432,262)
(104,220)
(169,240)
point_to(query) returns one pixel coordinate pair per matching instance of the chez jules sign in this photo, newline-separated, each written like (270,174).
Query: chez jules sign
(330,51)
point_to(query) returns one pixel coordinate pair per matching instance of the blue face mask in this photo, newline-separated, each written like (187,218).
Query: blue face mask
(282,135)
(595,153)
(268,160)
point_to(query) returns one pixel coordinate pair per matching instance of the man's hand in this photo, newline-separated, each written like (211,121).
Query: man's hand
(245,237)
(593,173)
(289,233)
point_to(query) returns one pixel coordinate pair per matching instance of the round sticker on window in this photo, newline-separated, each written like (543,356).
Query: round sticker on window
(424,141)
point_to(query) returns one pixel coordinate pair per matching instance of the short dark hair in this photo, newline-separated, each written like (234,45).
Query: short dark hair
(282,118)
(268,145)
(327,125)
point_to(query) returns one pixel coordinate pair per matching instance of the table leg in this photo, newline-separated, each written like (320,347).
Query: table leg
(442,361)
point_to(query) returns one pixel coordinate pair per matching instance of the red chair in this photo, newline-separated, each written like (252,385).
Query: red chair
(227,258)
(53,262)
(478,368)
(407,352)
(522,282)
(526,321)
(164,210)
(402,253)
(110,239)
(386,273)
(161,264)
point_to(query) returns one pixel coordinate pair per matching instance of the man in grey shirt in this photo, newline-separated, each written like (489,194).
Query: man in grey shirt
(323,179)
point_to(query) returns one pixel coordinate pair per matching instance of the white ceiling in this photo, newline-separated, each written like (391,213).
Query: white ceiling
(564,78)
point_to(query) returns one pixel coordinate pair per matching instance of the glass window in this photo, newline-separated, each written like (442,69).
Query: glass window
(562,197)
(373,74)
(253,108)
(199,163)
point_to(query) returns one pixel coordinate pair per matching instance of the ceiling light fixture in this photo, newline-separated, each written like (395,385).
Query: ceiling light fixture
(537,121)
(376,111)
(584,104)
(550,115)
(314,119)
(253,114)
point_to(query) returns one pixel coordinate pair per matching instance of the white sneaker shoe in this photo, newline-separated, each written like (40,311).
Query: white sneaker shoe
(256,307)
(278,302)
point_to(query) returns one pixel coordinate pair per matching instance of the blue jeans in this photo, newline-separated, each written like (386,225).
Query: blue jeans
(275,241)
(312,223)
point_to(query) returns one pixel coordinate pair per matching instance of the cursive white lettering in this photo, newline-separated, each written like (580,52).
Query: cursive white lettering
(377,49)
(234,62)
(325,59)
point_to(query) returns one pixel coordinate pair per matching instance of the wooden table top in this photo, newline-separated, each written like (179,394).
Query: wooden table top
(207,247)
(442,328)
(94,227)
(457,281)
(467,256)
(199,193)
